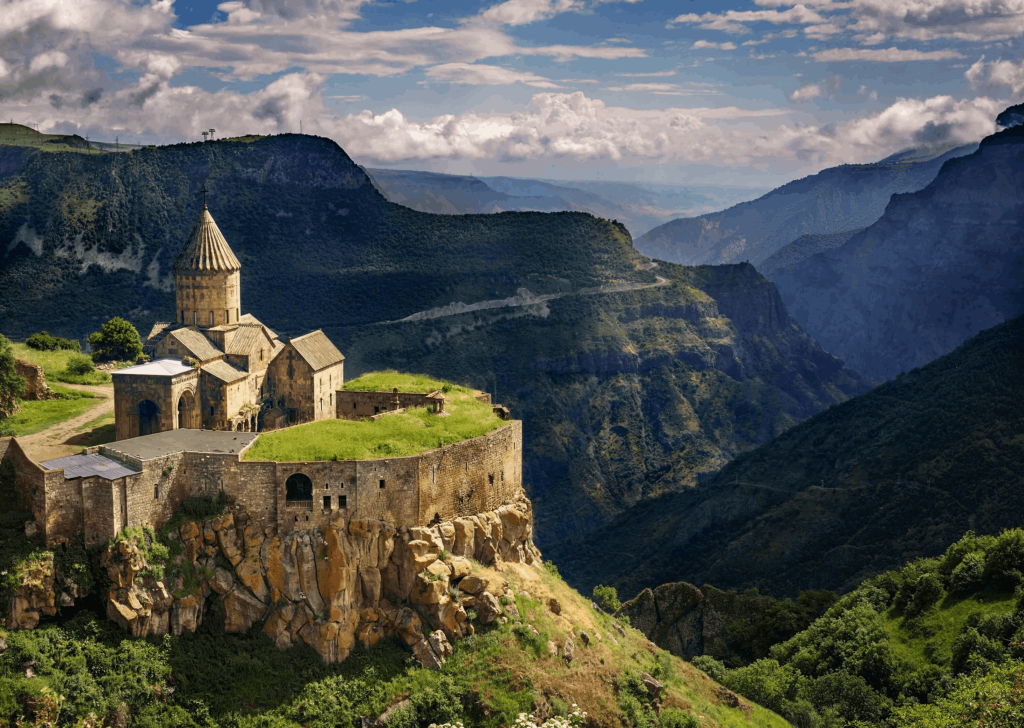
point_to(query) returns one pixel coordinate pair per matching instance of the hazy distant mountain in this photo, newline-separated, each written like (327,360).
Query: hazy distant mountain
(630,379)
(639,206)
(842,198)
(939,266)
(788,256)
(895,474)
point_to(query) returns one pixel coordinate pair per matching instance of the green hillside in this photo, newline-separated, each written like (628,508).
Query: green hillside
(884,478)
(939,642)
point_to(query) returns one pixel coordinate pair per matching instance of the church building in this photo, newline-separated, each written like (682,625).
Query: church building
(216,368)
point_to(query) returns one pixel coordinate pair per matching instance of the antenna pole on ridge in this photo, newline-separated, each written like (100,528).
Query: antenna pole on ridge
(204,196)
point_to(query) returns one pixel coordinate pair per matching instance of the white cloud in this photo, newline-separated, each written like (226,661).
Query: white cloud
(661,89)
(568,53)
(484,75)
(732,21)
(523,12)
(811,91)
(651,74)
(997,77)
(883,55)
(707,44)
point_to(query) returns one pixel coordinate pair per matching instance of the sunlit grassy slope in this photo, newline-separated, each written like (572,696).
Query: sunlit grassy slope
(38,415)
(54,363)
(398,435)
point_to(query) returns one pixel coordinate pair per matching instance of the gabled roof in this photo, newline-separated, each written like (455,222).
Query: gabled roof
(246,338)
(158,368)
(158,328)
(197,345)
(317,350)
(206,249)
(223,371)
(248,318)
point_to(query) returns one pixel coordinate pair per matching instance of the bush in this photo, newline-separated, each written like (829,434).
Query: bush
(967,574)
(767,683)
(117,340)
(439,703)
(78,365)
(635,701)
(676,718)
(926,593)
(12,385)
(1004,563)
(607,598)
(46,342)
(711,667)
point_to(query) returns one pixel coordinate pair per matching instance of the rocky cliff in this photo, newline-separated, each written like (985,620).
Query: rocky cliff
(842,198)
(357,581)
(939,266)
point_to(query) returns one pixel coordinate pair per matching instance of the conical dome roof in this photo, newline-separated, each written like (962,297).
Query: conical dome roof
(206,249)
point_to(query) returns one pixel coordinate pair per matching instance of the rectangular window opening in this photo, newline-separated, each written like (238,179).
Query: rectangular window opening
(342,501)
(490,478)
(382,483)
(327,502)
(156,492)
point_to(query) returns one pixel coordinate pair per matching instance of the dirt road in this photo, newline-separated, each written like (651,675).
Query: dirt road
(64,439)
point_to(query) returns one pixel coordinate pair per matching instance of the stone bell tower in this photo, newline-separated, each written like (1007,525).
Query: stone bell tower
(207,282)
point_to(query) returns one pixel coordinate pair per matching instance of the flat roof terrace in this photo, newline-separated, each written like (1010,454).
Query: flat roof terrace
(157,445)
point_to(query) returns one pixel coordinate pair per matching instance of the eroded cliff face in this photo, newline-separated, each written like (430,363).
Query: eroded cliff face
(329,587)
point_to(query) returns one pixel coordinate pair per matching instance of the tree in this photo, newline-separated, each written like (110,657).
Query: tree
(12,384)
(607,597)
(118,340)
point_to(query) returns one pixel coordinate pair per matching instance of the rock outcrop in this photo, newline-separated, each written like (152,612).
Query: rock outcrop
(356,581)
(35,380)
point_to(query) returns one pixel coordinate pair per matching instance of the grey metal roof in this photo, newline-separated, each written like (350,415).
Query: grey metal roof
(317,350)
(224,371)
(157,368)
(86,466)
(148,447)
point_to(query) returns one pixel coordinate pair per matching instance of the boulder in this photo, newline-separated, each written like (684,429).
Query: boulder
(222,582)
(460,567)
(568,649)
(653,685)
(473,584)
(554,606)
(552,649)
(488,608)
(440,645)
(585,637)
(426,656)
(241,610)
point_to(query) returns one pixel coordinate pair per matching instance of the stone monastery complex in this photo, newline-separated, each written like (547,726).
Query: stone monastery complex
(217,378)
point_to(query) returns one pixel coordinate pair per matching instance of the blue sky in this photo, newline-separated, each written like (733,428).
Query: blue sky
(744,92)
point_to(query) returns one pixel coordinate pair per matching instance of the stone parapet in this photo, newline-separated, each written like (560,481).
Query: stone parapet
(35,380)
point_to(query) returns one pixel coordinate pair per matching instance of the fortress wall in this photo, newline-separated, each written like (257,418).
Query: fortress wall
(354,404)
(102,508)
(29,478)
(151,496)
(472,476)
(398,501)
(330,478)
(256,491)
(65,507)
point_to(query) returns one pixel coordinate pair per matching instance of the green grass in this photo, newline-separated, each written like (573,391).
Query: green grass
(387,380)
(36,416)
(24,136)
(928,639)
(400,435)
(53,364)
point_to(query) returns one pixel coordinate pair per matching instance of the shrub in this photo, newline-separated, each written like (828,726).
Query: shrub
(439,703)
(676,718)
(634,700)
(12,385)
(711,667)
(118,340)
(607,598)
(767,683)
(78,365)
(1004,562)
(926,593)
(46,342)
(967,574)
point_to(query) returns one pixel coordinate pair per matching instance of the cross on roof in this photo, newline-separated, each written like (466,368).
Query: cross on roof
(204,196)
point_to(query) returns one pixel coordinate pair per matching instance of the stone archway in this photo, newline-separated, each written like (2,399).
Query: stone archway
(187,413)
(298,488)
(149,417)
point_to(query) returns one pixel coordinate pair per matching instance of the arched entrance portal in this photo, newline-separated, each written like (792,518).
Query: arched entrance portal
(186,411)
(298,488)
(149,417)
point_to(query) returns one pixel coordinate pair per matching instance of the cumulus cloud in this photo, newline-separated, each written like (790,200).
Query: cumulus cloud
(883,55)
(997,77)
(483,75)
(732,21)
(815,90)
(708,44)
(522,12)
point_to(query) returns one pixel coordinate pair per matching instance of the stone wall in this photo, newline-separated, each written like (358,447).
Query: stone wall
(292,385)
(35,380)
(131,389)
(197,296)
(30,478)
(355,405)
(471,476)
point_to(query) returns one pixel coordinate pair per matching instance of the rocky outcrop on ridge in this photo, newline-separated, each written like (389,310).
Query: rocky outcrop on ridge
(328,587)
(42,588)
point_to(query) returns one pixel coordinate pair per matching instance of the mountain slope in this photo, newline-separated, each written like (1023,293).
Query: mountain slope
(841,198)
(638,206)
(892,475)
(790,256)
(630,379)
(938,267)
